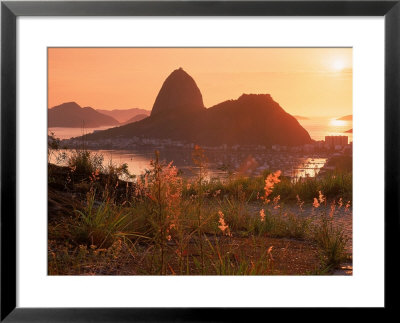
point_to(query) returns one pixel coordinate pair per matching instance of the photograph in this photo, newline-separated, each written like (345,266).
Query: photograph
(199,161)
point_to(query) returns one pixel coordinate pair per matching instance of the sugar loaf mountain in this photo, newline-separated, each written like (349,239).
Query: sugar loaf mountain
(179,114)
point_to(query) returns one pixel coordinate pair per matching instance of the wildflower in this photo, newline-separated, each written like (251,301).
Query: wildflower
(262,215)
(169,237)
(269,253)
(347,206)
(217,192)
(270,181)
(223,226)
(276,202)
(315,204)
(333,206)
(340,203)
(188,186)
(321,198)
(95,175)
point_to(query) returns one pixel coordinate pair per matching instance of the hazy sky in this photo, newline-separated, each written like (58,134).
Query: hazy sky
(304,81)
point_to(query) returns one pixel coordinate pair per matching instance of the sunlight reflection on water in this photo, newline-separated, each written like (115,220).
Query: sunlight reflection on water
(318,128)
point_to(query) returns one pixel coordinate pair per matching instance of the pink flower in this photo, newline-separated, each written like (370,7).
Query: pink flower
(276,202)
(340,203)
(269,253)
(262,215)
(223,226)
(321,198)
(333,206)
(270,181)
(347,206)
(315,204)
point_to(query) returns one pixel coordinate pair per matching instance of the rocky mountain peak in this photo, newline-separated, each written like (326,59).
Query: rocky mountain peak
(179,93)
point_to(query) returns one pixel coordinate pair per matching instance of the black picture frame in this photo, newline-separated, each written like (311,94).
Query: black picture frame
(10,10)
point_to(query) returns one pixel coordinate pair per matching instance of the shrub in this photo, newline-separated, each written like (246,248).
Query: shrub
(85,163)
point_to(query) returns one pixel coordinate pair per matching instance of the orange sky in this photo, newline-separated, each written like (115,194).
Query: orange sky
(304,81)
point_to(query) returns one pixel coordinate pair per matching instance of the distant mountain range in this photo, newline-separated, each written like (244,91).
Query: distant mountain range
(122,116)
(136,118)
(179,114)
(346,118)
(349,131)
(72,115)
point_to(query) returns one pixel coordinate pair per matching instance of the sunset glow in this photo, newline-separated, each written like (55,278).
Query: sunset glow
(338,123)
(300,79)
(338,65)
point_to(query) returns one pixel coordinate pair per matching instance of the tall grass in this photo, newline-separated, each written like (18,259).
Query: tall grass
(99,224)
(331,241)
(334,184)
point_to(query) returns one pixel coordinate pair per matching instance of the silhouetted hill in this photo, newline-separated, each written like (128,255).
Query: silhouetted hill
(179,93)
(72,115)
(136,118)
(123,116)
(252,119)
(346,118)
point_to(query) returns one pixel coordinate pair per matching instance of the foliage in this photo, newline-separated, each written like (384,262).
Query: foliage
(162,224)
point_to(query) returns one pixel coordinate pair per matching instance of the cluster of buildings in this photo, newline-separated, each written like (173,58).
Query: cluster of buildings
(338,144)
(330,144)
